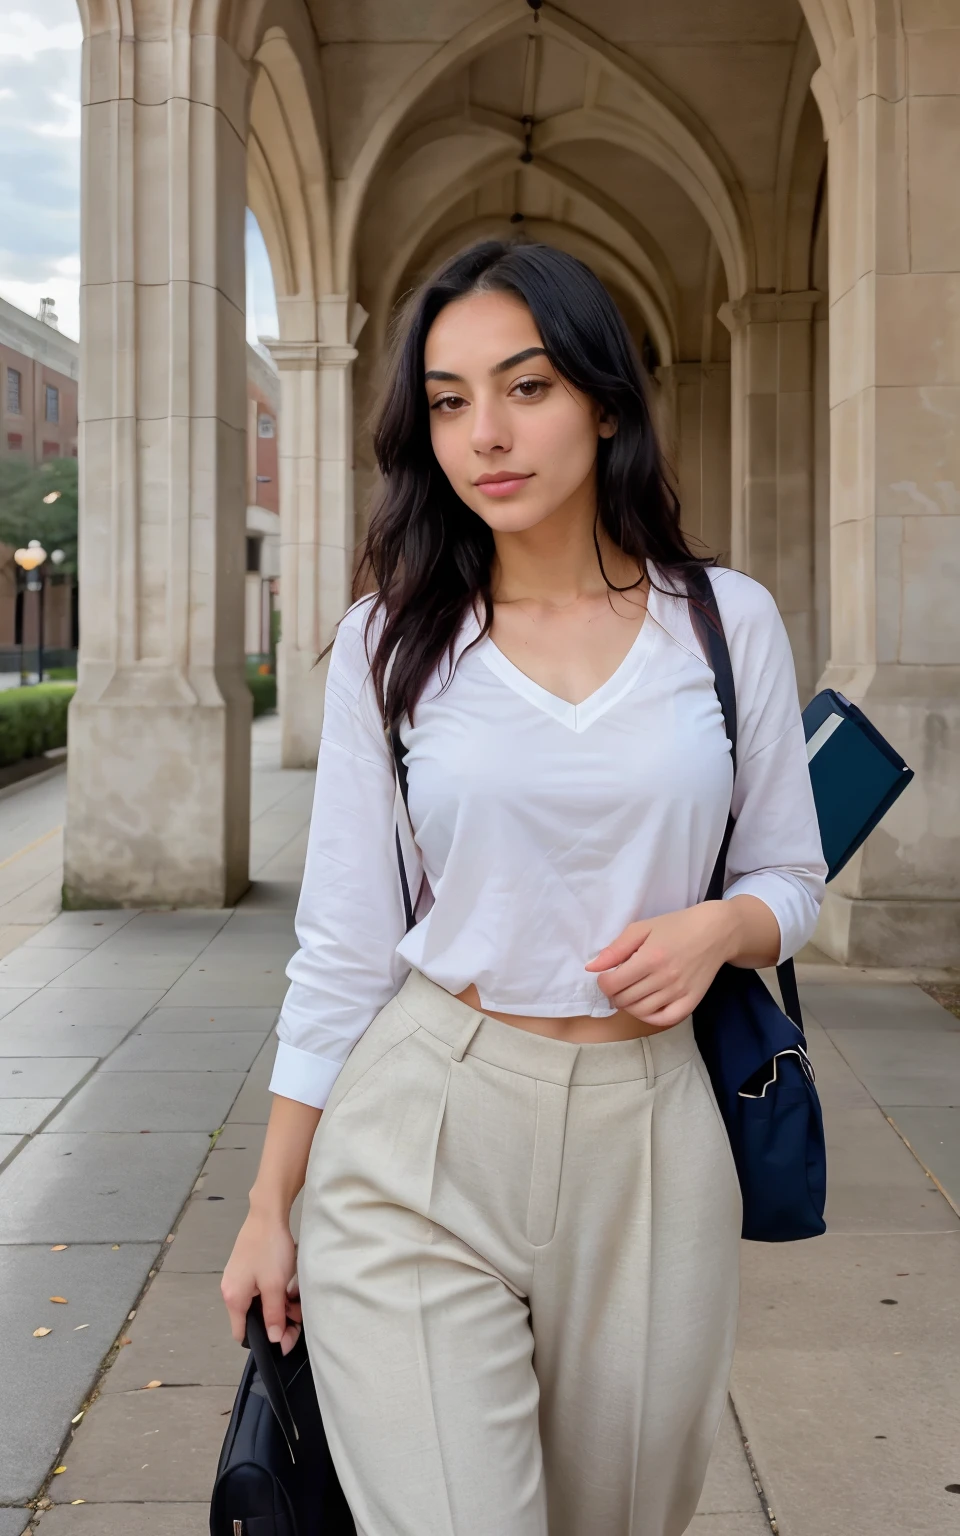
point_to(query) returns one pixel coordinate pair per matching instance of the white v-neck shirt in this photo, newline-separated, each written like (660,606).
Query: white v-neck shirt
(541,828)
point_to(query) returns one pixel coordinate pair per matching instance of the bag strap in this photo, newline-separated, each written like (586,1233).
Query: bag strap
(709,628)
(262,1351)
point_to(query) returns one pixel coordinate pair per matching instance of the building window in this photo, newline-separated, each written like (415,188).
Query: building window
(14,439)
(253,554)
(13,392)
(53,404)
(51,450)
(266,426)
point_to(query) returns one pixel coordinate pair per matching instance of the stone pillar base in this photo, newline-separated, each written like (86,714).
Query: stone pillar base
(159,801)
(302,681)
(897,903)
(920,934)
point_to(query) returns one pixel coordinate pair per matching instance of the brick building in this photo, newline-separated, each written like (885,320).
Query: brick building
(39,372)
(39,381)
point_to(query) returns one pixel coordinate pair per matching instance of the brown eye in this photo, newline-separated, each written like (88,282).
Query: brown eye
(446,403)
(531,389)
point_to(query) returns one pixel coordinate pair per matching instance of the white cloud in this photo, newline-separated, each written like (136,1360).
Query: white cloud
(261,297)
(24,34)
(68,127)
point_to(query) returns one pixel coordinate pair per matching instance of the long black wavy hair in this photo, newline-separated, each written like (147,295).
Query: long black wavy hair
(427,554)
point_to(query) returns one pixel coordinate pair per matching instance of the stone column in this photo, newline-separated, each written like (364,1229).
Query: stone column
(772,533)
(316,514)
(892,113)
(696,433)
(159,764)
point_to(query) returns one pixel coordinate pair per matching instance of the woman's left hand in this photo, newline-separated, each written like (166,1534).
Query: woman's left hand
(659,969)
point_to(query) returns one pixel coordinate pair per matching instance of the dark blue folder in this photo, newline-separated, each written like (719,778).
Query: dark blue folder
(856,774)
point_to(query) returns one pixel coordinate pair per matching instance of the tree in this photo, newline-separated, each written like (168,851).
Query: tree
(24,515)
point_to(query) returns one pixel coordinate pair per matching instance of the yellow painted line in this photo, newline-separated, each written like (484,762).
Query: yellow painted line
(37,843)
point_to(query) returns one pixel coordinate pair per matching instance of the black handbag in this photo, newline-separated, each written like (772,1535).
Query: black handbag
(275,1476)
(755,1052)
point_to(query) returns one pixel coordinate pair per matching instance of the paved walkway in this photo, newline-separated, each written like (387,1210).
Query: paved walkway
(138,1046)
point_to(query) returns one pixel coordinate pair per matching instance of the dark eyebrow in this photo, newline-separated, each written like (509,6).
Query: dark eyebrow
(508,362)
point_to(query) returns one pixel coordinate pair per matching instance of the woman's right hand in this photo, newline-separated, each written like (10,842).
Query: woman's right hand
(264,1263)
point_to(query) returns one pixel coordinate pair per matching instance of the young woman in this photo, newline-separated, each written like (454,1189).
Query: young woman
(518,1256)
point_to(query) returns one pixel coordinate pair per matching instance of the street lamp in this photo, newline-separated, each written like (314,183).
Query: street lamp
(30,561)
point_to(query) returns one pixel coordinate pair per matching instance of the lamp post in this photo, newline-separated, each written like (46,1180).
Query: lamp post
(30,561)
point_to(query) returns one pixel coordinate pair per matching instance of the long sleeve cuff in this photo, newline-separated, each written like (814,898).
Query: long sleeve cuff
(303,1076)
(783,898)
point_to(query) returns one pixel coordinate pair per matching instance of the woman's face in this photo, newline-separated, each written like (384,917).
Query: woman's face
(516,441)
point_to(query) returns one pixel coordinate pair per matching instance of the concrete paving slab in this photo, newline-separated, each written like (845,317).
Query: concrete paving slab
(934,1135)
(825,1366)
(271,895)
(138,1520)
(837,1083)
(170,1439)
(66,1041)
(252,1104)
(205,1236)
(109,1007)
(874,1184)
(100,968)
(229,1171)
(36,967)
(729,1488)
(150,1101)
(193,1021)
(80,930)
(875,1006)
(13,1522)
(912,1068)
(185,924)
(13,997)
(181,1335)
(731,1525)
(227,987)
(98,1188)
(35,1077)
(207,1051)
(44,1381)
(254,919)
(19,1117)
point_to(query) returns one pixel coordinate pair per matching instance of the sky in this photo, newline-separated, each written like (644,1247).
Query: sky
(40,169)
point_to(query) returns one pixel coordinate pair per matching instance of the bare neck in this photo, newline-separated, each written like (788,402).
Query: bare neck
(555,563)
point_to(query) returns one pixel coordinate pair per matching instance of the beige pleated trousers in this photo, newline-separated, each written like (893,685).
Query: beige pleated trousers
(519,1264)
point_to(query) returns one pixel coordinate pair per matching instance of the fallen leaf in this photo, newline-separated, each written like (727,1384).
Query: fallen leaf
(76,1419)
(169,1237)
(898,1351)
(58,1247)
(62,1300)
(41,1333)
(78,1501)
(152,1384)
(57,1470)
(115,1247)
(80,1326)
(125,1340)
(131,1316)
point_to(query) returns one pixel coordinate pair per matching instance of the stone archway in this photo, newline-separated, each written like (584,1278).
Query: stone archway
(699,159)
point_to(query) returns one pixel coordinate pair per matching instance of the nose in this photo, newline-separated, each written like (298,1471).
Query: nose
(489,427)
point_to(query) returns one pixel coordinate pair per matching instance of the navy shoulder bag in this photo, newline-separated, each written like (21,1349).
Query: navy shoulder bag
(755,1054)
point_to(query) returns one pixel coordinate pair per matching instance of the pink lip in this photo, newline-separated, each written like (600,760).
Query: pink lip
(503,484)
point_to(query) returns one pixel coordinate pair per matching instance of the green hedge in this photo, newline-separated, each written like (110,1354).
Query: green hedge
(33,720)
(264,690)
